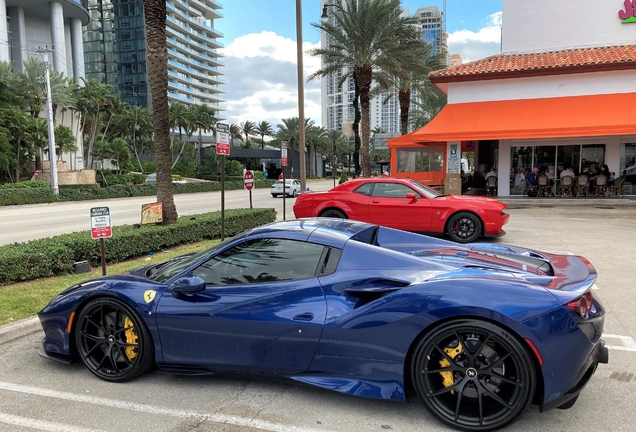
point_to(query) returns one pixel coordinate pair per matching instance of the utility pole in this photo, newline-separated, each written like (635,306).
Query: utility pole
(49,120)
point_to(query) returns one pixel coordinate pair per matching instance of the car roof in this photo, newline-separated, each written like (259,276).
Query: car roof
(327,231)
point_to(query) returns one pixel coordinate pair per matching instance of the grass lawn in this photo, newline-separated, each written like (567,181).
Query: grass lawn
(23,300)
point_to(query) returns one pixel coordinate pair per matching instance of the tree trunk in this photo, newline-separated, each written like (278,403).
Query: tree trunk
(17,165)
(356,123)
(405,103)
(155,15)
(364,81)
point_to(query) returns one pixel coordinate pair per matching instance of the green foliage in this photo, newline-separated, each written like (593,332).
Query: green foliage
(149,167)
(26,184)
(26,196)
(185,168)
(233,168)
(343,178)
(56,255)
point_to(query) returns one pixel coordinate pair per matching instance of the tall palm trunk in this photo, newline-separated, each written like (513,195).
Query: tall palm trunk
(364,76)
(404,96)
(155,15)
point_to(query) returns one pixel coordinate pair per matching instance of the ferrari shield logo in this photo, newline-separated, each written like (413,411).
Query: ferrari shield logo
(149,295)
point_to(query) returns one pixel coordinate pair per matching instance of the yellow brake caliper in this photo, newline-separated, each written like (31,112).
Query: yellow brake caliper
(131,338)
(447,377)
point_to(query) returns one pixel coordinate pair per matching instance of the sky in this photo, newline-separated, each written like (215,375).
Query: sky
(260,51)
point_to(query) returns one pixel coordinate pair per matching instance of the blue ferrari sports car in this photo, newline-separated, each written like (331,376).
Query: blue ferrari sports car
(476,332)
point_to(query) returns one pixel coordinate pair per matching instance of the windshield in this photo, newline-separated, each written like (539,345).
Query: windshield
(173,268)
(426,191)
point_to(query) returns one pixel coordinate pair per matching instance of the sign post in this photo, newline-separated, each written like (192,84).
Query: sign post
(248,183)
(101,229)
(283,164)
(223,149)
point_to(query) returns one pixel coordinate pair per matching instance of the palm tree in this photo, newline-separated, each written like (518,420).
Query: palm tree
(204,120)
(135,124)
(64,140)
(247,128)
(120,152)
(180,119)
(157,54)
(428,104)
(288,131)
(316,139)
(370,36)
(412,75)
(264,129)
(235,133)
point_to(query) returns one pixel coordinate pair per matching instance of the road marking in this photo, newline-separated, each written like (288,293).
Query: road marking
(153,409)
(628,343)
(41,424)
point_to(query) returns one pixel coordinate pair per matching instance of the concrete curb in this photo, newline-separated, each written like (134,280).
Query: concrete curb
(18,329)
(565,202)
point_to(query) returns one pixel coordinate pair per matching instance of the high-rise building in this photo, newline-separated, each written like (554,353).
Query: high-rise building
(337,111)
(115,50)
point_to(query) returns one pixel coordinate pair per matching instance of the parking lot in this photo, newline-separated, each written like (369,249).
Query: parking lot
(37,394)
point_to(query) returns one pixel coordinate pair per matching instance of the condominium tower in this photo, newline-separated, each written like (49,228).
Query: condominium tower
(115,50)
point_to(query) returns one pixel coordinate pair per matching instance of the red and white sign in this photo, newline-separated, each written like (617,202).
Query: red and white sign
(283,154)
(100,223)
(248,180)
(222,139)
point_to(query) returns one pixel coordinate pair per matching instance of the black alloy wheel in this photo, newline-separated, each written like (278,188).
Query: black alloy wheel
(473,375)
(464,227)
(112,340)
(275,195)
(295,193)
(333,213)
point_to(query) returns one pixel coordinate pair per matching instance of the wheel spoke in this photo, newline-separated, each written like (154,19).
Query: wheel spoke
(122,351)
(93,338)
(96,324)
(436,371)
(480,401)
(508,380)
(445,355)
(111,357)
(460,393)
(497,398)
(90,351)
(123,329)
(443,391)
(498,362)
(482,345)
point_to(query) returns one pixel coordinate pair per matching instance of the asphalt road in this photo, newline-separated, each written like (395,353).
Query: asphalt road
(37,394)
(28,222)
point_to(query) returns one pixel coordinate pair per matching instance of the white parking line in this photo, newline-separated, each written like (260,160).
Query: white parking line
(41,424)
(628,343)
(153,409)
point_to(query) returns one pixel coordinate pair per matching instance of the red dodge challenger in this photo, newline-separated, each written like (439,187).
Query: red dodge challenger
(407,205)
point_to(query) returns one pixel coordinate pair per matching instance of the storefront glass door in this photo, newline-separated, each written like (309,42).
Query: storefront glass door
(592,157)
(568,156)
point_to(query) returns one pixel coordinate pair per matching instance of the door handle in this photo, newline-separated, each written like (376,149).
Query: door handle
(307,316)
(375,202)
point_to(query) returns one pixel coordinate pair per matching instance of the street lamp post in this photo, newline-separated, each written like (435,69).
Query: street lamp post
(301,95)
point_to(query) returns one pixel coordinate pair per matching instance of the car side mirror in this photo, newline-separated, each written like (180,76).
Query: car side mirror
(188,284)
(411,196)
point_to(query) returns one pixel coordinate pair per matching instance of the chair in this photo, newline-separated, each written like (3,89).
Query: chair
(600,185)
(491,185)
(582,185)
(529,188)
(565,186)
(545,188)
(619,186)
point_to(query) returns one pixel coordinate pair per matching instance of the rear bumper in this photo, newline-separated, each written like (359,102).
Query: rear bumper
(600,354)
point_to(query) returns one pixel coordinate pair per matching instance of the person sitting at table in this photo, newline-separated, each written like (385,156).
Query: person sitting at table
(491,173)
(567,172)
(546,172)
(519,176)
(586,172)
(532,176)
(604,171)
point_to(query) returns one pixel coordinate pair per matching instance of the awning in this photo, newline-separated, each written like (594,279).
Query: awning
(574,116)
(401,141)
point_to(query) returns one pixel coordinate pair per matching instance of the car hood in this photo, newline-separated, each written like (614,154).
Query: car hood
(469,199)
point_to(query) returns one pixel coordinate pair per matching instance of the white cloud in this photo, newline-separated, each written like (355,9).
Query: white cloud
(261,79)
(476,45)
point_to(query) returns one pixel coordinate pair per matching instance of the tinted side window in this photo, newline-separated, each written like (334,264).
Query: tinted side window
(392,190)
(365,189)
(262,261)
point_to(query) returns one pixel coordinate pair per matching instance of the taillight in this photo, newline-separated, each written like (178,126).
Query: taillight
(583,304)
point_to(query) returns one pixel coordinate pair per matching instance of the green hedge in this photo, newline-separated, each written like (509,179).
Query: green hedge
(37,195)
(56,255)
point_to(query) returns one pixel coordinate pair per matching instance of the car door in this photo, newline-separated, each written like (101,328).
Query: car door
(262,308)
(390,207)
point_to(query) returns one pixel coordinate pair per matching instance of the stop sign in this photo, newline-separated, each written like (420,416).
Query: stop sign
(248,180)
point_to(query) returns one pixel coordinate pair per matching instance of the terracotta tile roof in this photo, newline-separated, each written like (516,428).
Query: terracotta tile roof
(622,57)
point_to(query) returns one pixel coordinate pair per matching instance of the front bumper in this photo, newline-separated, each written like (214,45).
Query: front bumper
(54,356)
(600,354)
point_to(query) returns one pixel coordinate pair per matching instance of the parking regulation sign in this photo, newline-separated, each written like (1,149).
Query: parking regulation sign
(248,180)
(222,139)
(100,223)
(283,154)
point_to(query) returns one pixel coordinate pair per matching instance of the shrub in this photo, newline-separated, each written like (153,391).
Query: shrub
(26,185)
(343,178)
(27,195)
(56,255)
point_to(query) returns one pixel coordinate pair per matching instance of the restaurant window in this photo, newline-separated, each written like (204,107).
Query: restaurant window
(628,157)
(592,156)
(421,159)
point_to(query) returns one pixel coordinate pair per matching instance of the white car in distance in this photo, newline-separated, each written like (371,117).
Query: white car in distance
(292,188)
